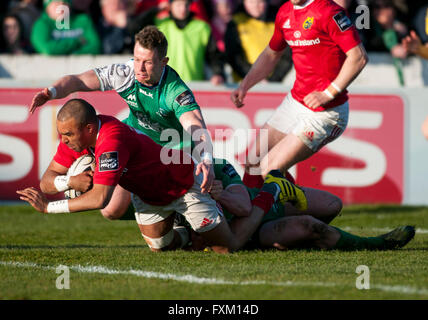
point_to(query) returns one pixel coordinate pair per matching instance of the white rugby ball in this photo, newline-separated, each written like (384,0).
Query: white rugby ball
(81,164)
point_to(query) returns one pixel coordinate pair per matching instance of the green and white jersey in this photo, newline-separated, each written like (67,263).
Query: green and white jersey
(155,109)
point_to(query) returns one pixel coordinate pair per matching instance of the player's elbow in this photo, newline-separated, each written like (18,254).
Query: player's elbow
(100,201)
(109,215)
(362,59)
(246,209)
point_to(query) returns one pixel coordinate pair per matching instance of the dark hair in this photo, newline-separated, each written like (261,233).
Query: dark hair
(380,4)
(3,44)
(80,110)
(151,38)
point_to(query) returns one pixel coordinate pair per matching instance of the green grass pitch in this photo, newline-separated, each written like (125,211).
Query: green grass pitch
(109,260)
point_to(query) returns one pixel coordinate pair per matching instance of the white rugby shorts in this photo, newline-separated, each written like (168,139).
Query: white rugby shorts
(315,129)
(199,209)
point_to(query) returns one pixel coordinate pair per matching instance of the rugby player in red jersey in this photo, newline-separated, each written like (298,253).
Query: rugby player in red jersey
(327,55)
(162,181)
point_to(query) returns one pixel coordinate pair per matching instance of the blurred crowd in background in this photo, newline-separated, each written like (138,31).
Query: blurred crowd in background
(203,35)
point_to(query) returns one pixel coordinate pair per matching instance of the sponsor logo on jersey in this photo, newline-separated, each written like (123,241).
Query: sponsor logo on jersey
(185,99)
(148,94)
(108,161)
(303,43)
(122,70)
(162,113)
(131,100)
(144,121)
(132,103)
(342,21)
(286,24)
(297,34)
(308,23)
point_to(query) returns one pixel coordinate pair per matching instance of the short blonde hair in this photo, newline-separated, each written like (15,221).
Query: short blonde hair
(152,38)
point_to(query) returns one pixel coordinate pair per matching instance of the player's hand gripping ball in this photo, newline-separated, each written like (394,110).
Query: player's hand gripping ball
(81,164)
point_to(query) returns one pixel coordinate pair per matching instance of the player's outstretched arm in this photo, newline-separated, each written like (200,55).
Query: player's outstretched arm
(193,122)
(87,81)
(259,71)
(97,198)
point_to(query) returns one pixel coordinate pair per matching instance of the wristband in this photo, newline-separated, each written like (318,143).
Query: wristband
(52,91)
(328,93)
(336,87)
(61,183)
(206,156)
(60,206)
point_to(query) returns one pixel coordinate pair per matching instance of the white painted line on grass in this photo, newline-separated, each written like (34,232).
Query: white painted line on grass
(198,280)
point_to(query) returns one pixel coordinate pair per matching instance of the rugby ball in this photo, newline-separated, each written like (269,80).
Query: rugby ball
(81,164)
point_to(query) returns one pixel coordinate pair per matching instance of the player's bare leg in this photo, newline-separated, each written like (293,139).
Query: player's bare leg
(298,231)
(266,139)
(161,236)
(304,231)
(321,204)
(286,153)
(118,204)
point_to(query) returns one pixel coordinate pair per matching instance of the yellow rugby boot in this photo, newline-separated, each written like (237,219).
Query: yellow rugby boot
(288,192)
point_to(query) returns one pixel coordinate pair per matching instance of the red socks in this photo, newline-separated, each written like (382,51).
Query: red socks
(252,181)
(263,200)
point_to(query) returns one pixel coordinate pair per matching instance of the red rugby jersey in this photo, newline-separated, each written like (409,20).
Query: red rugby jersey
(133,160)
(319,34)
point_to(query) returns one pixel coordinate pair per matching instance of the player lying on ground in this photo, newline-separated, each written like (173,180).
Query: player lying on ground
(285,227)
(158,189)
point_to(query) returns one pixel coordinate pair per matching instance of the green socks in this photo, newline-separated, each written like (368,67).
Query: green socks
(349,241)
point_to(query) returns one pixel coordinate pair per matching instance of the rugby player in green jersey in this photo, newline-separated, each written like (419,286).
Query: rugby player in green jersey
(283,226)
(161,105)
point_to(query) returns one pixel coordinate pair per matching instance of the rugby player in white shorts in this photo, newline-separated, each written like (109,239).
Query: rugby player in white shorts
(327,56)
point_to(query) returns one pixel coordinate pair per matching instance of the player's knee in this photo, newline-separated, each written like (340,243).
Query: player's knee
(335,206)
(109,215)
(162,243)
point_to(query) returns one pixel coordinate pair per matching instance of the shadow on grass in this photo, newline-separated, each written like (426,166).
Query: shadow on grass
(70,246)
(385,208)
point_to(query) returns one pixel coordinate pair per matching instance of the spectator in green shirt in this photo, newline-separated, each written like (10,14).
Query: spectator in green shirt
(60,32)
